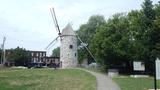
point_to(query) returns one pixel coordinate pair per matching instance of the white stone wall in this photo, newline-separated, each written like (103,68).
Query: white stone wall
(68,55)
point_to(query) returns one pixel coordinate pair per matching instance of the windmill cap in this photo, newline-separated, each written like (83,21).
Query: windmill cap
(68,30)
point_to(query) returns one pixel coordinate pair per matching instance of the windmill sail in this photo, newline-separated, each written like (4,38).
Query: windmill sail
(55,20)
(85,45)
(56,26)
(52,42)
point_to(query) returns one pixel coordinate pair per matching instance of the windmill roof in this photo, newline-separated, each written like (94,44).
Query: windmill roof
(68,30)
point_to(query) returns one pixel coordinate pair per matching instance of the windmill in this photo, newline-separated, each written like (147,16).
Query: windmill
(68,40)
(68,47)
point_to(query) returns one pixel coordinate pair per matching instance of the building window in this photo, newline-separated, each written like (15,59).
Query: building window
(32,54)
(40,54)
(70,46)
(34,59)
(75,54)
(44,54)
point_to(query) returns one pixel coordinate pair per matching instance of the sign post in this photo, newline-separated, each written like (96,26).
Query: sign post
(155,80)
(157,72)
(157,69)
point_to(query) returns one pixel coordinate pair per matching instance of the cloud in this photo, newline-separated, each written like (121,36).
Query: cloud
(28,23)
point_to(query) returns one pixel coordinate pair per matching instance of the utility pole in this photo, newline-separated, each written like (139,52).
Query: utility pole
(1,55)
(3,51)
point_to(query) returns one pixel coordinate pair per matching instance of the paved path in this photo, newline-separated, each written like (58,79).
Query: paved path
(104,82)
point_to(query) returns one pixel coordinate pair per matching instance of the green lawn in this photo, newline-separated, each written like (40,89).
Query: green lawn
(128,83)
(46,79)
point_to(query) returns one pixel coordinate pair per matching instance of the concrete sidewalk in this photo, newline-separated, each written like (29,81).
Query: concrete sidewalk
(104,82)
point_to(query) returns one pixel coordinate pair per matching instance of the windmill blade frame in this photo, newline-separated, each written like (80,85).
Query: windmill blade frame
(52,45)
(52,42)
(86,48)
(55,20)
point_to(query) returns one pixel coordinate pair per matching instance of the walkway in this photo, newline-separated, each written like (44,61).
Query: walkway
(104,82)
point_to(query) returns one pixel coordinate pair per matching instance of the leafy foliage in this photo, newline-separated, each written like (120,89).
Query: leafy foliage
(110,42)
(125,37)
(56,52)
(86,33)
(19,56)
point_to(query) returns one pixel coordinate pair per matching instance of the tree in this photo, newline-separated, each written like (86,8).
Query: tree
(155,36)
(19,56)
(138,36)
(81,55)
(56,52)
(86,33)
(125,37)
(110,43)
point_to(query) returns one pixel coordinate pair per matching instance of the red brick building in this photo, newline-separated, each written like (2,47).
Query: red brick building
(36,59)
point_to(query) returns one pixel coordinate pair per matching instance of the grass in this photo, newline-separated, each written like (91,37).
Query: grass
(129,83)
(46,79)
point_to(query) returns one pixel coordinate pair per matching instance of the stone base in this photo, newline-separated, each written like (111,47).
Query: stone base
(139,76)
(68,64)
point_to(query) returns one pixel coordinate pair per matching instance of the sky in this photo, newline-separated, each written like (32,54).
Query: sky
(28,23)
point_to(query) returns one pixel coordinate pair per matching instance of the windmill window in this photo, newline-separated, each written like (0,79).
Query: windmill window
(70,46)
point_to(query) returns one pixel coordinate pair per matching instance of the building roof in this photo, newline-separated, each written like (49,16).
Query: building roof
(37,51)
(68,30)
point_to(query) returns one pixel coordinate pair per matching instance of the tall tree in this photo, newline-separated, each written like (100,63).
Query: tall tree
(149,14)
(19,55)
(155,36)
(56,52)
(86,33)
(134,36)
(110,42)
(136,33)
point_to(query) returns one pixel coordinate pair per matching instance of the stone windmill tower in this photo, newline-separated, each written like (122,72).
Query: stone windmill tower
(68,47)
